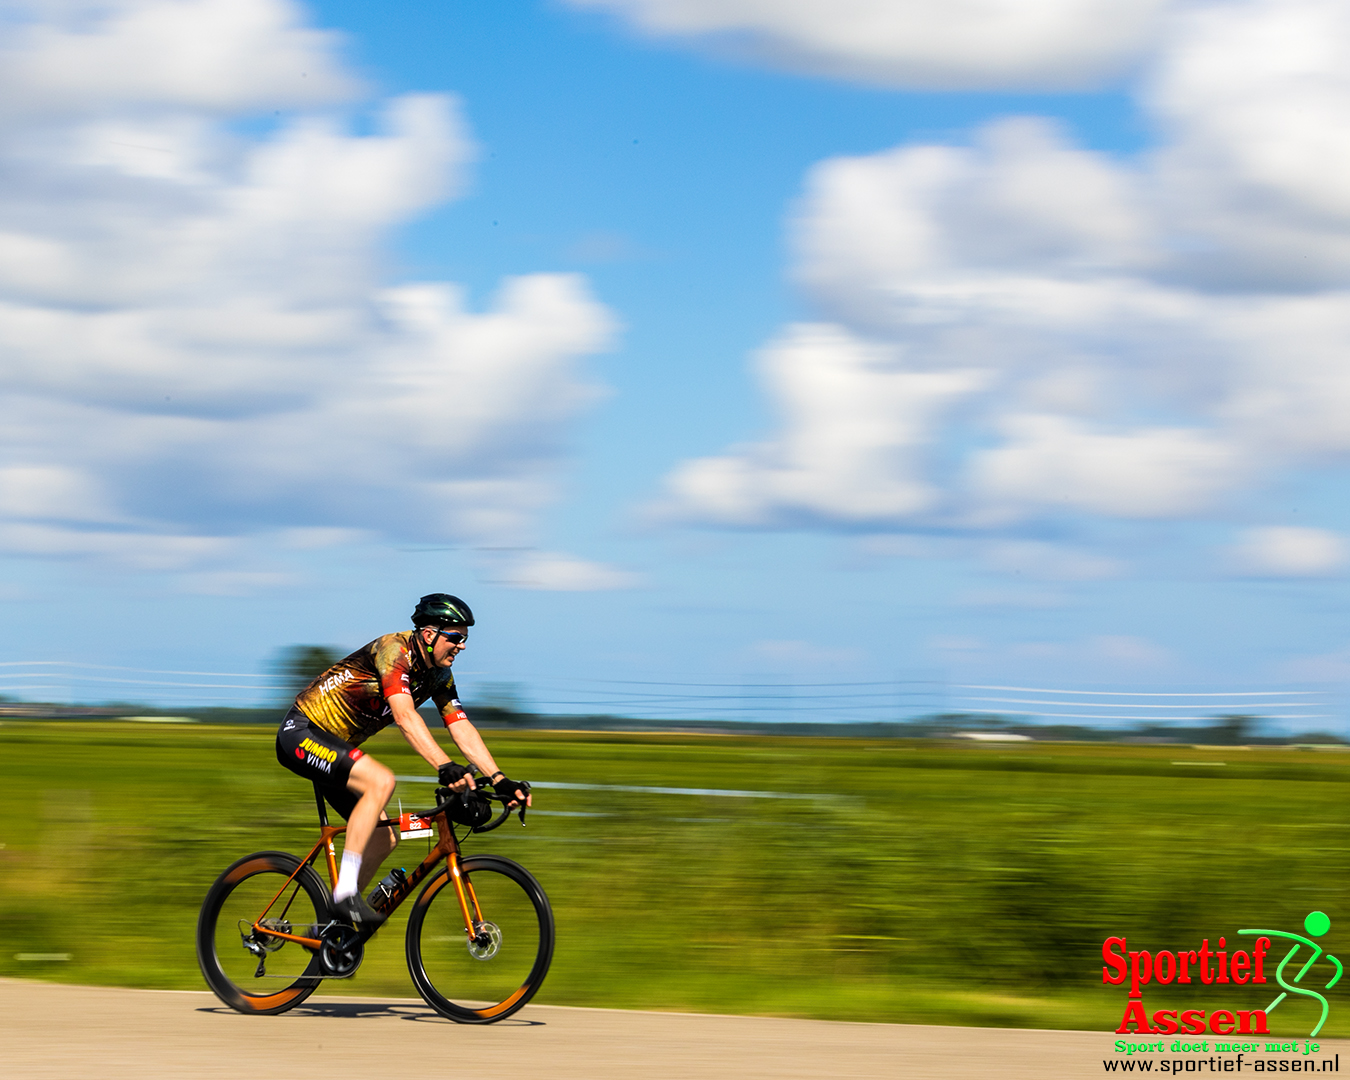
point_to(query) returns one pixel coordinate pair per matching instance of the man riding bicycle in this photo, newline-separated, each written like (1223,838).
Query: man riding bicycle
(382,683)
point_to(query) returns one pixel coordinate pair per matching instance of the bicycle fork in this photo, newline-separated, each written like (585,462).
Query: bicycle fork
(468,899)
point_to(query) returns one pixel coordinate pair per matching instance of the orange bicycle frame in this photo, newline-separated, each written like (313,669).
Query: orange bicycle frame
(446,848)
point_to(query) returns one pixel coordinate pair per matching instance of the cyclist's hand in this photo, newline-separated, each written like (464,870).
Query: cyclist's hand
(510,792)
(455,776)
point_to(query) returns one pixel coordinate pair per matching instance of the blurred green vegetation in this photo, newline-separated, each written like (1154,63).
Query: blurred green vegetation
(944,881)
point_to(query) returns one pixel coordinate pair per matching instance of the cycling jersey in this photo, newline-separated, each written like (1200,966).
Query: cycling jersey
(351,698)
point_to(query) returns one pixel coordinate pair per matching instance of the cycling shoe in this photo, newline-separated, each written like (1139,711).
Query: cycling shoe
(356,911)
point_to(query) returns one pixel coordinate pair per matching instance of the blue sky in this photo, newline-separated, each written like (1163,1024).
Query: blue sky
(697,346)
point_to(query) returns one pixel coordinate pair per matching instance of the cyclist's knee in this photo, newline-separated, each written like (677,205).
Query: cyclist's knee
(382,785)
(369,777)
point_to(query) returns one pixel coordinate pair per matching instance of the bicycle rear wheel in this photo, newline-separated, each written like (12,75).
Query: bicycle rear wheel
(484,981)
(252,972)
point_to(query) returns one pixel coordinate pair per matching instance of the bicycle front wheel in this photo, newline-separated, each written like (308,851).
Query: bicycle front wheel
(253,972)
(485,979)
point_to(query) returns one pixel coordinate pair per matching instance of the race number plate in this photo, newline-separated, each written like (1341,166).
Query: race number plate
(410,826)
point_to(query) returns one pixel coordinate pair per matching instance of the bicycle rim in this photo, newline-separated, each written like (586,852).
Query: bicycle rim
(472,983)
(257,888)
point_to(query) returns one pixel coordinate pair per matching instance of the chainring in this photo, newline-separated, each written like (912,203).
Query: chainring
(341,951)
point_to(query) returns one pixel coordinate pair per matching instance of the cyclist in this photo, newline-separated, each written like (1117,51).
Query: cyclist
(383,683)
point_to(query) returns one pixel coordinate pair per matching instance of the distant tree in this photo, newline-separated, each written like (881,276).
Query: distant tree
(497,704)
(1232,730)
(297,665)
(499,695)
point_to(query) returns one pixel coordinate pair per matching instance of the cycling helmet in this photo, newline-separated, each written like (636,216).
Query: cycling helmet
(442,609)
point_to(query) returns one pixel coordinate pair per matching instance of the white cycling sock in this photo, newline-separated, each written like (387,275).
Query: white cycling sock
(348,876)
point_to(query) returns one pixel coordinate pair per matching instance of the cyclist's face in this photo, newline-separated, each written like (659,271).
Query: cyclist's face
(443,650)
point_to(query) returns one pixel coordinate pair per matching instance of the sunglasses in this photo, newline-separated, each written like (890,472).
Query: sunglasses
(453,636)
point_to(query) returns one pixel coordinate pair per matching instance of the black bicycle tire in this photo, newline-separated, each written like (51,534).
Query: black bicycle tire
(220,983)
(543,958)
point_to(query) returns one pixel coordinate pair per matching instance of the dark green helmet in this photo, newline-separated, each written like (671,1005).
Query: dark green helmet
(442,609)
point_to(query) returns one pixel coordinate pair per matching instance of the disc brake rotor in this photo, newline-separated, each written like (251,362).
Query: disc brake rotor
(487,942)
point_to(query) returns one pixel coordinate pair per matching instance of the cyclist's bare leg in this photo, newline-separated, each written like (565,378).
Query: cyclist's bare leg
(378,847)
(375,784)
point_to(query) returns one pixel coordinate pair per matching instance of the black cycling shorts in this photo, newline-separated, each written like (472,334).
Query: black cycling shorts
(318,755)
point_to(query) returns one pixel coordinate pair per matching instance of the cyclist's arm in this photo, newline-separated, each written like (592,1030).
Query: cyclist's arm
(472,746)
(414,729)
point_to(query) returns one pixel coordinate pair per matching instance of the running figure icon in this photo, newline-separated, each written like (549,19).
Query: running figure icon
(1317,923)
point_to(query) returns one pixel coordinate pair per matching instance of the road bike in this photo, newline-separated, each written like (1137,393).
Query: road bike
(479,938)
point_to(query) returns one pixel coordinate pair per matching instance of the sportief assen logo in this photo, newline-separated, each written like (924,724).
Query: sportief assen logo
(1216,968)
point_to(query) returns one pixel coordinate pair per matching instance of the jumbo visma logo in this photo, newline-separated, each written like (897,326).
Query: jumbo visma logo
(316,754)
(1220,969)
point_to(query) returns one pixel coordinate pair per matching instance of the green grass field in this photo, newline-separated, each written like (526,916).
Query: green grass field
(951,883)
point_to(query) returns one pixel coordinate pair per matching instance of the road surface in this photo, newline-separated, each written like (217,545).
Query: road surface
(55,1032)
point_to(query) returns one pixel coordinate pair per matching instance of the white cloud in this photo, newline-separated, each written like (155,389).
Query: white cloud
(914,43)
(157,552)
(1123,338)
(897,546)
(1102,652)
(45,492)
(1009,598)
(1128,651)
(195,345)
(235,582)
(317,538)
(92,56)
(1054,461)
(854,423)
(798,656)
(1332,667)
(1290,551)
(956,643)
(1050,562)
(554,572)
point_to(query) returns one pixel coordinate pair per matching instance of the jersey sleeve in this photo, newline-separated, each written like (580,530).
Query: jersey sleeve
(447,701)
(393,666)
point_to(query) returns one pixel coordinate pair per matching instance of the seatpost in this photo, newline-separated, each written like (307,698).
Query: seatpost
(323,808)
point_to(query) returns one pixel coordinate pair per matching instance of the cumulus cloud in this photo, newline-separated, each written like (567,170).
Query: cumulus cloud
(196,345)
(1054,461)
(796,656)
(78,57)
(1290,551)
(854,424)
(1137,338)
(553,572)
(935,44)
(1049,562)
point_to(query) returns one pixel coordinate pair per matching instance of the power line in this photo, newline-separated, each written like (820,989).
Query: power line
(1129,693)
(1136,705)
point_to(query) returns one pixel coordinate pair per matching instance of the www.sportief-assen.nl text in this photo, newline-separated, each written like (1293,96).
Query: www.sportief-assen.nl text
(1240,1063)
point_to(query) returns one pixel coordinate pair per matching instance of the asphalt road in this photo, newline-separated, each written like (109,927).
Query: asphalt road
(53,1032)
